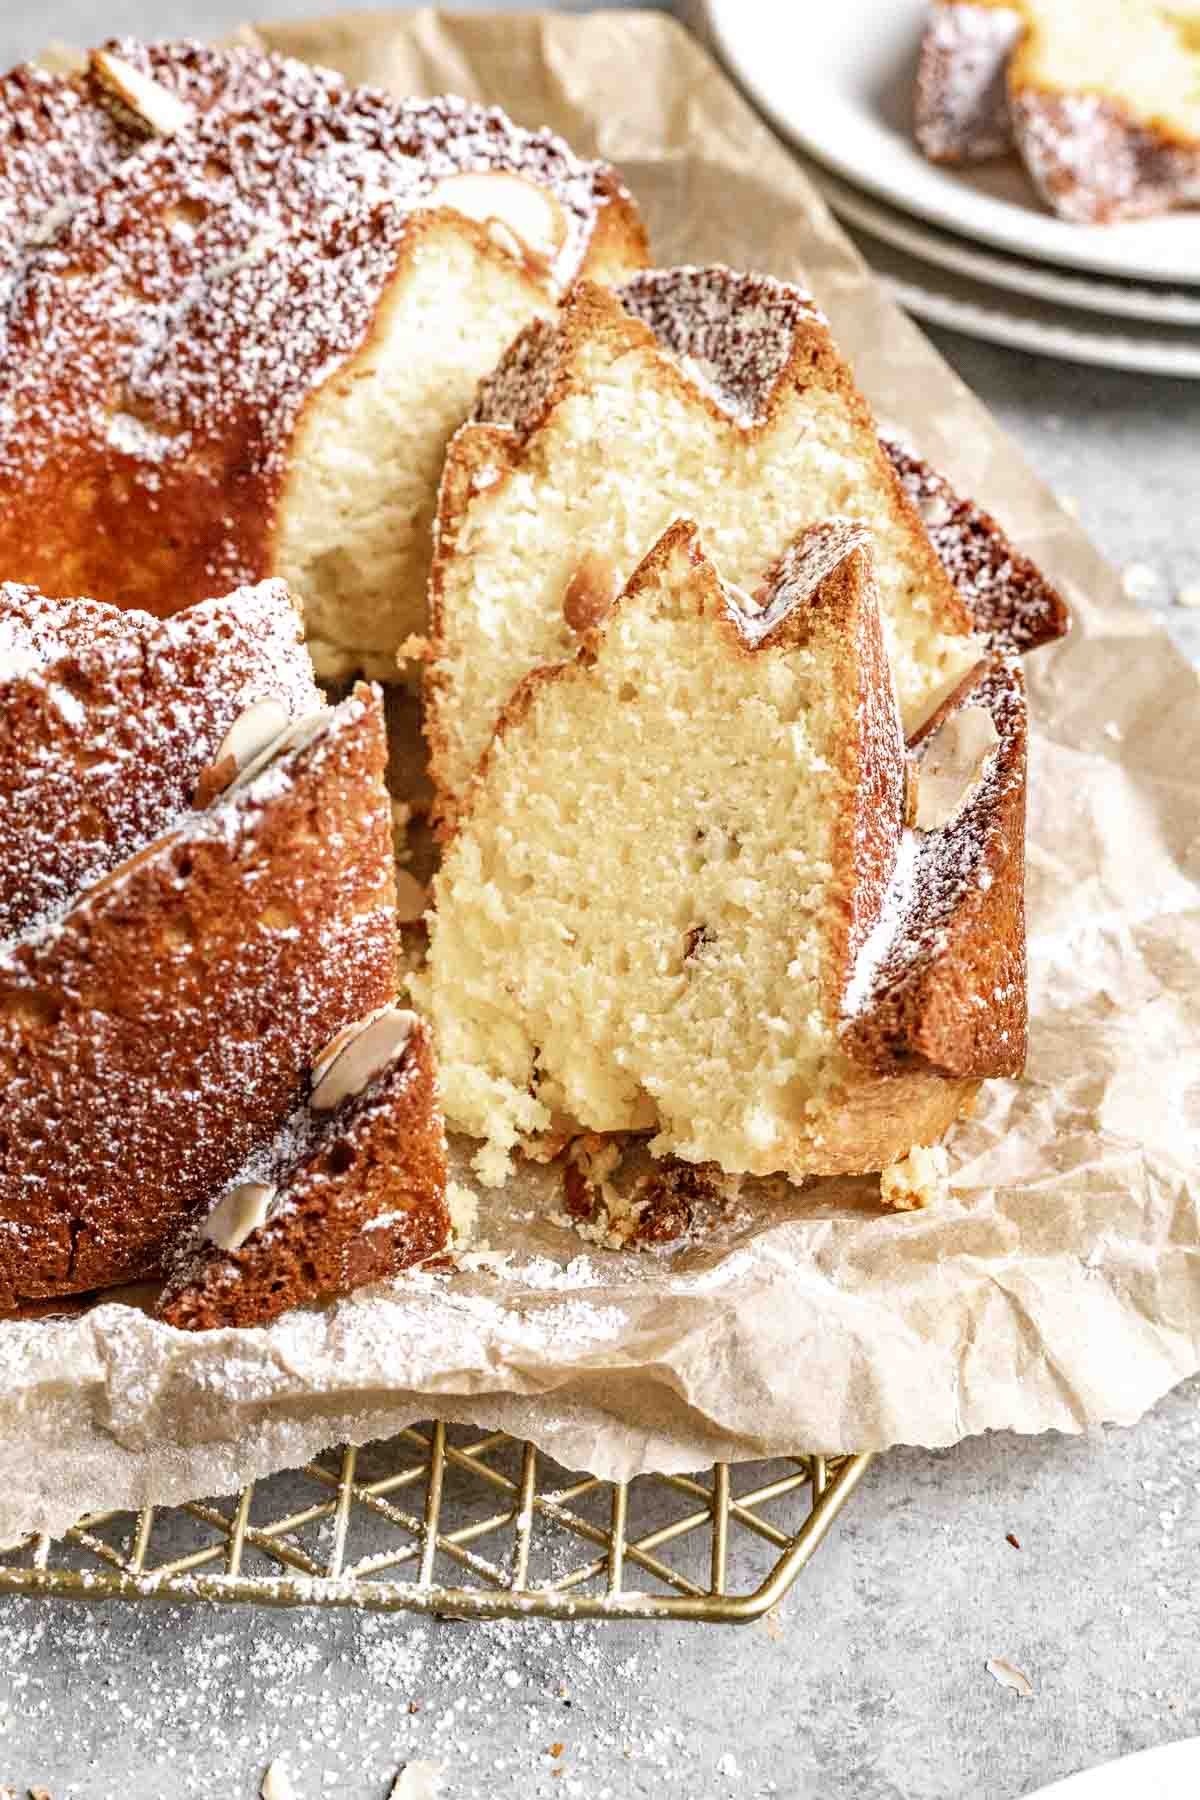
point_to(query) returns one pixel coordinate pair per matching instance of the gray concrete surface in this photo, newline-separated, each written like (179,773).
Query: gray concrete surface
(872,1683)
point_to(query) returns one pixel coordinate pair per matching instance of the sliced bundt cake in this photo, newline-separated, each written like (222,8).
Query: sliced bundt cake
(247,304)
(694,391)
(109,719)
(683,868)
(350,1191)
(1102,102)
(162,1028)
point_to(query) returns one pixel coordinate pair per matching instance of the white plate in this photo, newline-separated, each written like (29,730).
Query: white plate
(1169,1773)
(1025,323)
(838,79)
(1090,293)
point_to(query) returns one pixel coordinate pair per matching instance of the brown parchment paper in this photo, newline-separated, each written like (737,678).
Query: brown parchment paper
(1060,1284)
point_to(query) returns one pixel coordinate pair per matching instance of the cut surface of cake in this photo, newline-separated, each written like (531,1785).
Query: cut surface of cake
(1103,103)
(677,873)
(109,718)
(162,1027)
(690,391)
(246,305)
(350,1191)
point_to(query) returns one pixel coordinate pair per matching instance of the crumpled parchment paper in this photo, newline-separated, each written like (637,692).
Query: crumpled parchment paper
(1058,1287)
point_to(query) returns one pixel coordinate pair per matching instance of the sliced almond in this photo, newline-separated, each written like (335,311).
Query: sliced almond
(496,198)
(354,1058)
(412,899)
(152,103)
(277,1784)
(589,594)
(294,736)
(239,1213)
(953,766)
(262,723)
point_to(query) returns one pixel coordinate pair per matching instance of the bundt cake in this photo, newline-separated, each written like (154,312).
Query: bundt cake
(245,305)
(681,899)
(108,719)
(351,1189)
(160,1029)
(1102,102)
(695,391)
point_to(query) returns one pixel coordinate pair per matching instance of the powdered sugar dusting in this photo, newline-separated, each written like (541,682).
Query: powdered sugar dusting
(733,333)
(109,718)
(942,874)
(1013,606)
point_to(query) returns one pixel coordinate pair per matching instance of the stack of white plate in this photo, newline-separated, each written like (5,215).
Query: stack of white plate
(973,249)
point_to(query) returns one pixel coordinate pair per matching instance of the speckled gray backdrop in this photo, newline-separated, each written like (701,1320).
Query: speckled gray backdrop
(871,1685)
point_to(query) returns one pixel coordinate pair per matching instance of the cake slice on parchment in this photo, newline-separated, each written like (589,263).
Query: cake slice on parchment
(350,1191)
(683,866)
(690,391)
(108,720)
(1102,102)
(162,1028)
(246,305)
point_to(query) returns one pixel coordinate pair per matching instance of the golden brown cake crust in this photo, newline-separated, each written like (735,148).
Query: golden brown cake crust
(961,109)
(158,1031)
(949,991)
(169,326)
(1015,608)
(361,1196)
(108,720)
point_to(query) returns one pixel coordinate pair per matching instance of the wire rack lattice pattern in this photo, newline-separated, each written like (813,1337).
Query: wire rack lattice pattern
(442,1520)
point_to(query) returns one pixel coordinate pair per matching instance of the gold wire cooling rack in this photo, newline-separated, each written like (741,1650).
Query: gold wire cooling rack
(339,1533)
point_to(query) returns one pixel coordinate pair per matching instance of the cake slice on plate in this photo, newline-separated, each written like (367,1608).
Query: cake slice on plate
(683,868)
(350,1191)
(1015,608)
(109,719)
(1102,102)
(690,391)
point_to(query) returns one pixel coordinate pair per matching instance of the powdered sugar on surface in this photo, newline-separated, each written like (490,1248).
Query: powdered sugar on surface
(110,716)
(536,1711)
(939,871)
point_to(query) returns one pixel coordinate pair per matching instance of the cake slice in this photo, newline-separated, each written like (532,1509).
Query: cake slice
(108,720)
(694,391)
(240,351)
(350,1191)
(1103,104)
(679,871)
(163,1027)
